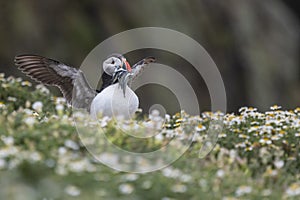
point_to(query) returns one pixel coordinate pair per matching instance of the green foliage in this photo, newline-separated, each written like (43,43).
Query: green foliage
(42,156)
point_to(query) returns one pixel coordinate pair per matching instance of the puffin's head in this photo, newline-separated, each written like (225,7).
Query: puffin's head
(118,68)
(114,63)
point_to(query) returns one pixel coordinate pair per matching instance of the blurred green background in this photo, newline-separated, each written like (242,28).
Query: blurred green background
(254,43)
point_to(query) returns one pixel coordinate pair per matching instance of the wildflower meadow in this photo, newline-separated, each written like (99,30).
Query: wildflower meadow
(42,156)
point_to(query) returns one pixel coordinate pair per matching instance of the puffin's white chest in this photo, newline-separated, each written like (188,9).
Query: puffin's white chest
(111,102)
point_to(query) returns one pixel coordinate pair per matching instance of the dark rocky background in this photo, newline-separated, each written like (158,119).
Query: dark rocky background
(254,43)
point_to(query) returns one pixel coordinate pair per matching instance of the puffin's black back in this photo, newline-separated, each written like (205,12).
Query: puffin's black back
(106,81)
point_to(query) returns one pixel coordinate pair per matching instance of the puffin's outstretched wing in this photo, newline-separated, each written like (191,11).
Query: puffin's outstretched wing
(139,67)
(69,80)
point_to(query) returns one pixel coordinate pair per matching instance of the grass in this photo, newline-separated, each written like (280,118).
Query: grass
(42,155)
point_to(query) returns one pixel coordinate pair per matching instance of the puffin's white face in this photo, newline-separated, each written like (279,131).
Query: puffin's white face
(111,64)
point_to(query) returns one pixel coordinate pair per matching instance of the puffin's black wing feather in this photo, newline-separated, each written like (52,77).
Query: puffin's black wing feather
(69,80)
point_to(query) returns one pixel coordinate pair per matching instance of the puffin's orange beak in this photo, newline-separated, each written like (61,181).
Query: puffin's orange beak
(128,67)
(126,64)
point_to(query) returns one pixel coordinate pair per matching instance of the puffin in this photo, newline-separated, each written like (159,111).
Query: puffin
(115,98)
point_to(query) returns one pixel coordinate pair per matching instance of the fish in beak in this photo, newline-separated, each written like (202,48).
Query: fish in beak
(122,74)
